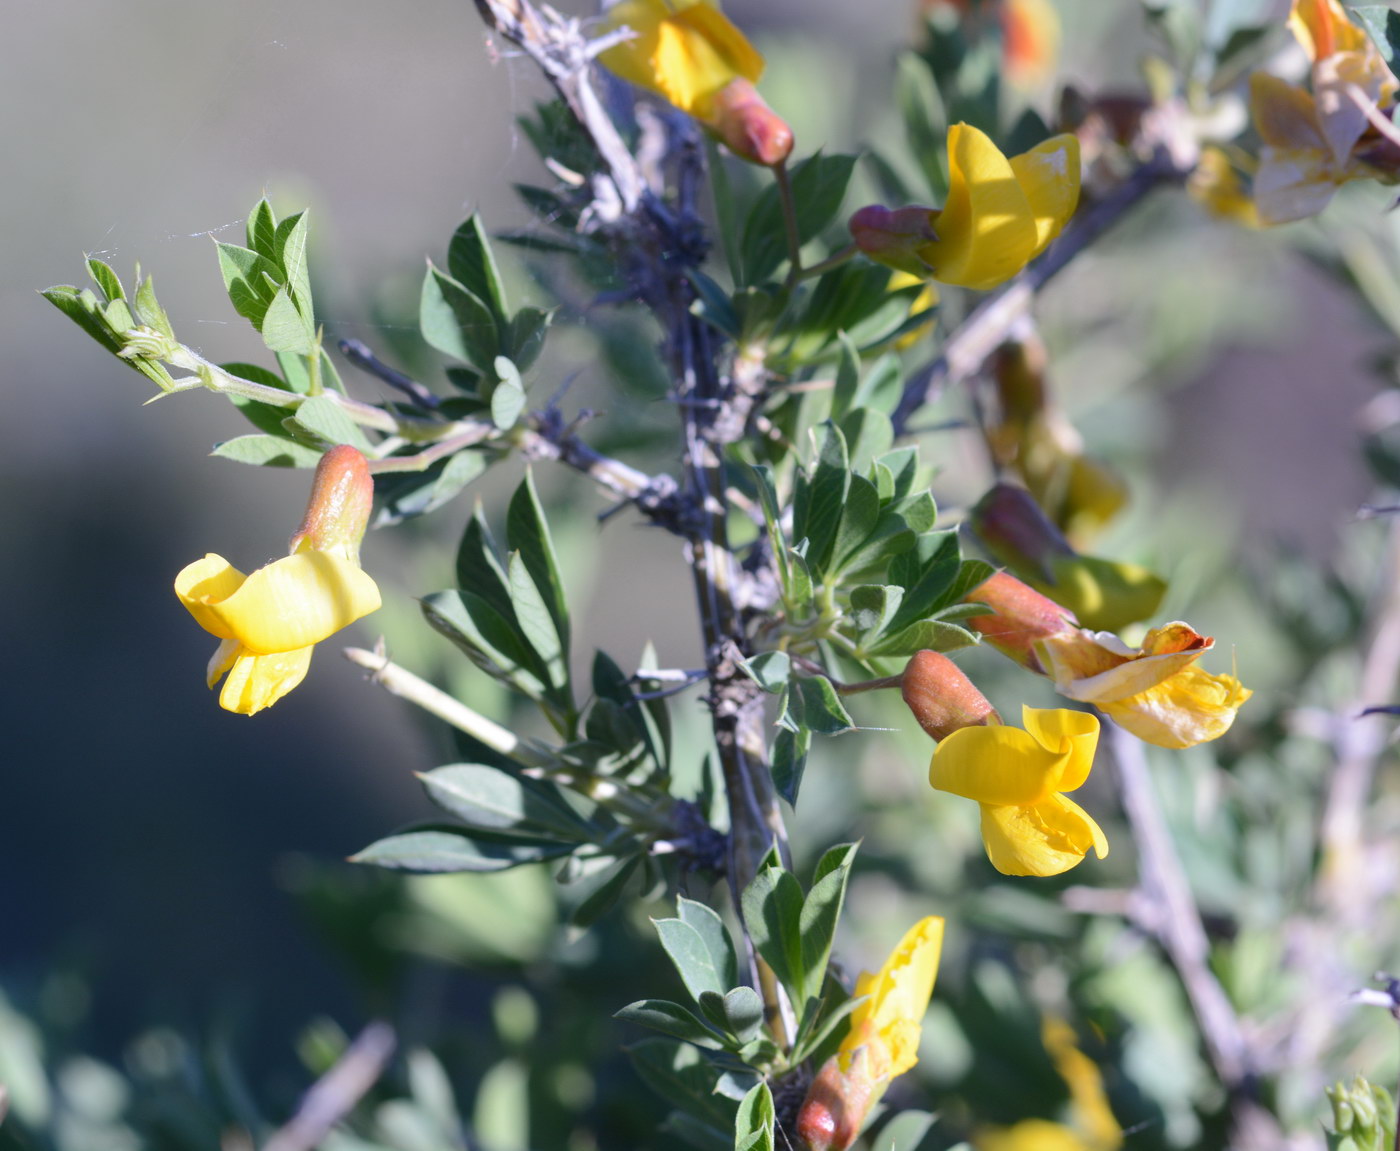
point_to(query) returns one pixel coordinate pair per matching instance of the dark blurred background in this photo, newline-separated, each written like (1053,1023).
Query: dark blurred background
(143,830)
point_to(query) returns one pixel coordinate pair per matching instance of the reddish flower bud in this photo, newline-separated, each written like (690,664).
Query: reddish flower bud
(342,496)
(941,697)
(894,236)
(1020,617)
(836,1105)
(1017,533)
(749,128)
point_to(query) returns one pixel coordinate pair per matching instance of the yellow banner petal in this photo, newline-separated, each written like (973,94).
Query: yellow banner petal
(1049,177)
(1001,765)
(295,602)
(1072,735)
(204,582)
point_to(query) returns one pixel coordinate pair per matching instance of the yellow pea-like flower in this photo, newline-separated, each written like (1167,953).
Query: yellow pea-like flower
(1000,213)
(1018,777)
(1155,691)
(268,622)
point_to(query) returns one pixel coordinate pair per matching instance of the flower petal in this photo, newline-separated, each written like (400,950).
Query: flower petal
(1049,177)
(1045,838)
(207,581)
(1073,735)
(987,230)
(1190,707)
(685,52)
(1030,1135)
(889,1020)
(289,604)
(997,765)
(1085,668)
(258,681)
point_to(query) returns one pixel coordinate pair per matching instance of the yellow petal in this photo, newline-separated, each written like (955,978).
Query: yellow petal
(258,681)
(1088,1100)
(1104,596)
(1049,177)
(1188,708)
(1000,765)
(684,52)
(1323,28)
(1073,735)
(290,604)
(1030,1135)
(889,1020)
(987,229)
(1045,838)
(206,581)
(1099,669)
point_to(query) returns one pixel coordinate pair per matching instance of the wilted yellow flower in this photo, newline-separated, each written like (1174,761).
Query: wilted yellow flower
(1216,186)
(688,52)
(1155,691)
(1028,826)
(1000,214)
(882,1041)
(268,622)
(1315,141)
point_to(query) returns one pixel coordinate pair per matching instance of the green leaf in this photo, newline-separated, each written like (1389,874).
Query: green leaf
(874,605)
(753,1125)
(714,306)
(772,910)
(821,911)
(285,329)
(859,514)
(251,281)
(268,451)
(472,265)
(696,964)
(605,897)
(148,307)
(869,435)
(905,1132)
(527,533)
(743,1012)
(1382,24)
(822,710)
(266,417)
(817,504)
(788,759)
(401,497)
(438,851)
(818,188)
(508,398)
(670,1019)
(769,669)
(772,519)
(847,377)
(683,1077)
(537,627)
(456,322)
(106,279)
(325,419)
(925,635)
(289,244)
(706,921)
(526,336)
(262,230)
(478,569)
(490,640)
(490,799)
(925,120)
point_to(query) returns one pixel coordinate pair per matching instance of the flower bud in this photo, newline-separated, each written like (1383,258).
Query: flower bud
(1017,533)
(1020,616)
(837,1104)
(1018,367)
(749,128)
(941,697)
(342,496)
(894,236)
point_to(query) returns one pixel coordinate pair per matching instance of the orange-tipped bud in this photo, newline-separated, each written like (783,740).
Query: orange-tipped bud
(837,1104)
(941,697)
(1020,616)
(749,128)
(342,497)
(893,236)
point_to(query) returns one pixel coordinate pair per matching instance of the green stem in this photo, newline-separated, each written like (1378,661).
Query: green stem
(835,260)
(868,685)
(789,209)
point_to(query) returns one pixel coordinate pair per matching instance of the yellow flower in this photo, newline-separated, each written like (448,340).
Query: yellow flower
(1315,141)
(1028,826)
(1001,213)
(1095,1128)
(882,1041)
(269,621)
(1155,691)
(688,52)
(1217,187)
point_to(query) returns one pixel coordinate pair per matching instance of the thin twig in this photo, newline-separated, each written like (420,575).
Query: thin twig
(1176,924)
(986,326)
(359,354)
(335,1094)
